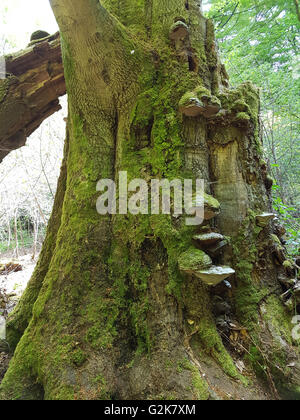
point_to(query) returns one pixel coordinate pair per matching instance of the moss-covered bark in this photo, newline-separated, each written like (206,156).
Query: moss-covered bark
(20,318)
(114,316)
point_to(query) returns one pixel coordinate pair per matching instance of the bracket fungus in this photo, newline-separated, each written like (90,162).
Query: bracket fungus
(263,220)
(197,263)
(179,30)
(208,239)
(191,106)
(207,203)
(211,207)
(193,260)
(215,275)
(199,102)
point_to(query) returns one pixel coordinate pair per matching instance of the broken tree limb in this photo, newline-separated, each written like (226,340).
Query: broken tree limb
(29,93)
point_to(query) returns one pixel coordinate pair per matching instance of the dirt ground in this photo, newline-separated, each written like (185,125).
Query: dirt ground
(12,285)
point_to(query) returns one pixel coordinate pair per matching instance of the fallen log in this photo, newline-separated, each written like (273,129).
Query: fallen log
(30,91)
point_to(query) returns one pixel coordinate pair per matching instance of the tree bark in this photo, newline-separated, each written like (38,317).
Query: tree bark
(297,8)
(108,313)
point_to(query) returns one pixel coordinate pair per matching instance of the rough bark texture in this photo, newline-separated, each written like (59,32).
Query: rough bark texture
(30,92)
(115,317)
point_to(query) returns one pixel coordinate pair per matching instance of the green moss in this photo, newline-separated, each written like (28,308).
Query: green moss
(215,101)
(248,293)
(214,347)
(199,386)
(206,338)
(288,264)
(243,116)
(280,326)
(102,392)
(98,282)
(153,119)
(189,98)
(62,393)
(279,318)
(255,358)
(211,50)
(202,93)
(289,393)
(243,103)
(240,106)
(276,240)
(193,260)
(211,202)
(131,13)
(179,25)
(252,299)
(78,357)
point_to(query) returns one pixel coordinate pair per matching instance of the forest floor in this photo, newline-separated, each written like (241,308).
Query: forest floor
(12,285)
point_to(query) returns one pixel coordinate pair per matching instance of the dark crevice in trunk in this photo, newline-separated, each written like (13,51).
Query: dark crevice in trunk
(193,66)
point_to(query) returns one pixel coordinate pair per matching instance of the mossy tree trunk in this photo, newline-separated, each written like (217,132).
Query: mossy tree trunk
(108,314)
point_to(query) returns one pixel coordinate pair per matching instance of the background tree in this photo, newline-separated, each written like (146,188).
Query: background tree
(118,307)
(28,179)
(259,41)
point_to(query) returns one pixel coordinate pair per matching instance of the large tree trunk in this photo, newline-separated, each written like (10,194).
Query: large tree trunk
(108,313)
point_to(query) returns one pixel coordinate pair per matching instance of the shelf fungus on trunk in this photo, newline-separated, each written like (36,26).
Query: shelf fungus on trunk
(199,102)
(205,202)
(213,243)
(211,206)
(208,239)
(215,275)
(263,220)
(179,31)
(193,261)
(198,263)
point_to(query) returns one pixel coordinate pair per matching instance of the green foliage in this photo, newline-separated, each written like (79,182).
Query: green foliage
(290,220)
